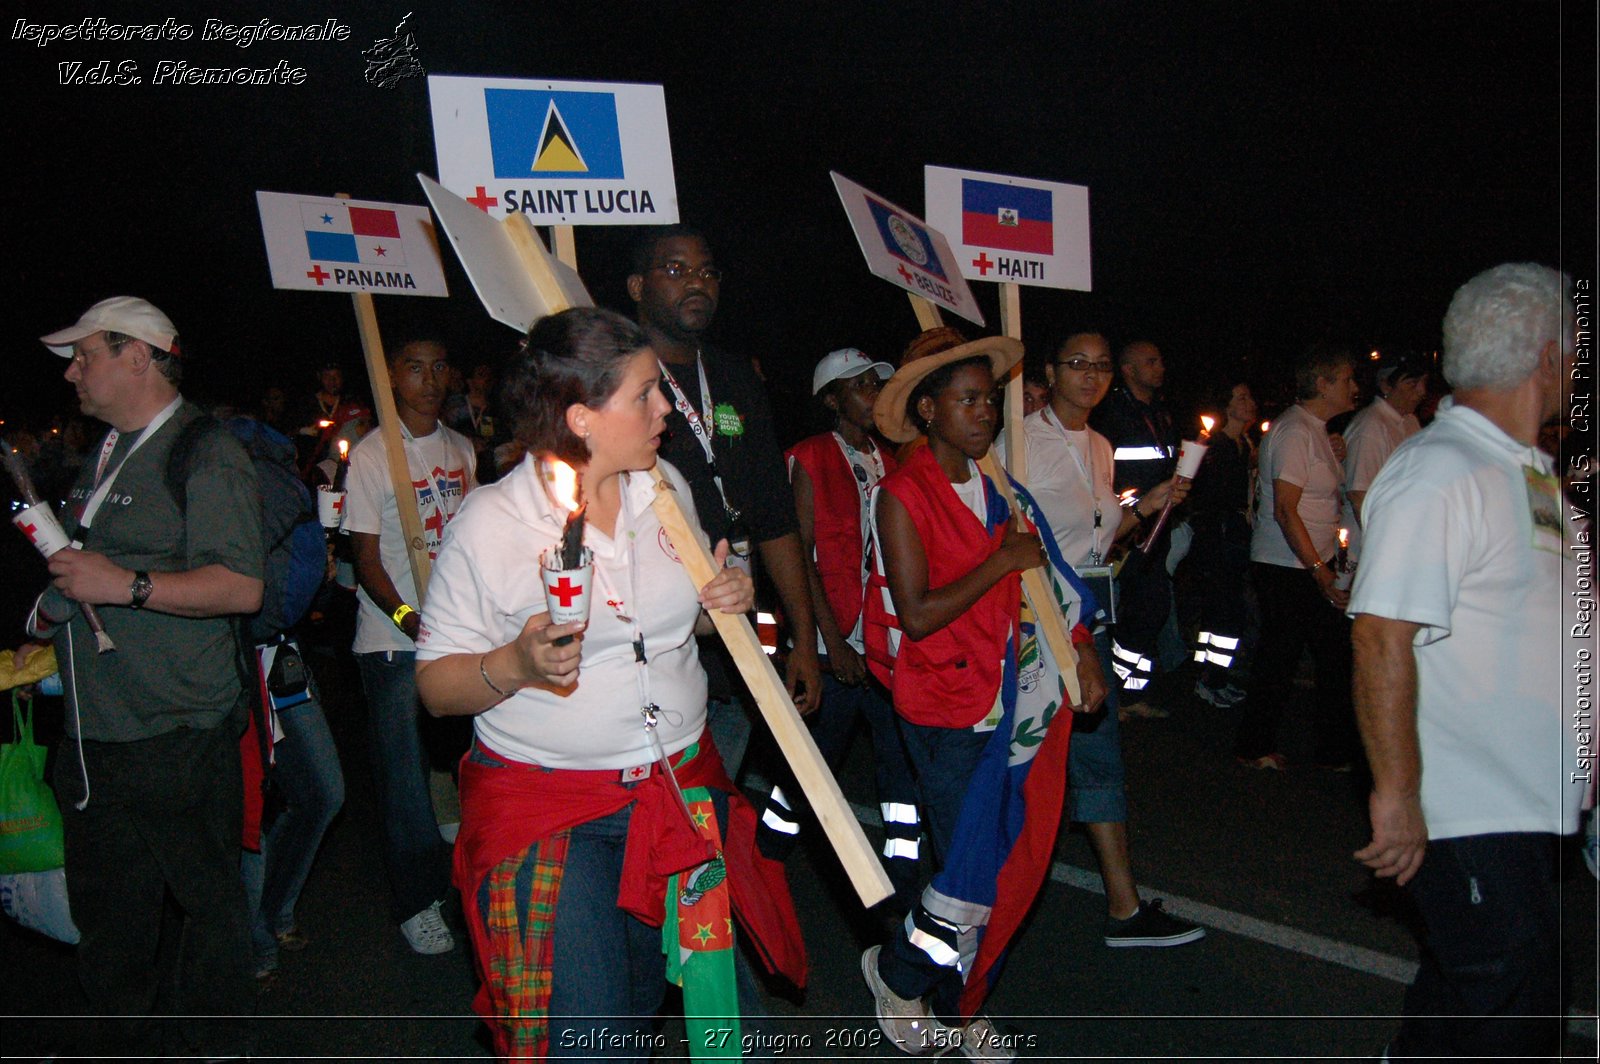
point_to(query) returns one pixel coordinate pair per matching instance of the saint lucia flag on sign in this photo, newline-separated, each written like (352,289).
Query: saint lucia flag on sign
(1007,217)
(352,234)
(569,135)
(906,239)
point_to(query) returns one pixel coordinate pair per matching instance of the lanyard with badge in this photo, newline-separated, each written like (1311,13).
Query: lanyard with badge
(738,534)
(1098,575)
(103,481)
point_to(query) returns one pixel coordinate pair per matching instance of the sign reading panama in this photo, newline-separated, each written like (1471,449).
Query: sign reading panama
(324,244)
(1012,228)
(561,152)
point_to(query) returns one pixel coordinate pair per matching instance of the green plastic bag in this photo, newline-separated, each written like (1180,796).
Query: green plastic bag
(30,820)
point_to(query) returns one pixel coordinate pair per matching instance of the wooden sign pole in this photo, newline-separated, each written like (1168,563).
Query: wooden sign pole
(794,738)
(1041,600)
(566,243)
(866,874)
(1011,325)
(394,447)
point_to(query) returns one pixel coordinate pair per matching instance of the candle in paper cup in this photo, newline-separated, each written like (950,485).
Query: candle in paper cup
(39,524)
(1189,456)
(330,507)
(567,591)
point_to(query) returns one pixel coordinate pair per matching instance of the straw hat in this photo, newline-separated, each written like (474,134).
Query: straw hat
(890,413)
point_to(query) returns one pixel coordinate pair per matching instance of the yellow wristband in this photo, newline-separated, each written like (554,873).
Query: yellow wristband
(401,612)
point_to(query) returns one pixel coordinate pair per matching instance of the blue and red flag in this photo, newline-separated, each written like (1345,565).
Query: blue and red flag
(907,239)
(1007,217)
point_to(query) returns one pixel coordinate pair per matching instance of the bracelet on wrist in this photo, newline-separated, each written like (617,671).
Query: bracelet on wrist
(1314,566)
(401,612)
(496,688)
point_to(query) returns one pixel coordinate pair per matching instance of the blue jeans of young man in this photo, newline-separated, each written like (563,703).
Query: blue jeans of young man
(306,774)
(609,973)
(1095,782)
(416,858)
(1490,980)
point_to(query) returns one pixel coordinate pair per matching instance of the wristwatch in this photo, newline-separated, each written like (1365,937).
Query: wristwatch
(140,589)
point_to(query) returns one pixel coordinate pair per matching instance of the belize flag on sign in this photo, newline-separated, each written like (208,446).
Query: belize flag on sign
(1006,217)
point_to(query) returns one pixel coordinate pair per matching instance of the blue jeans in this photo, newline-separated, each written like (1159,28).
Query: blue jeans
(1490,980)
(308,778)
(1095,791)
(416,858)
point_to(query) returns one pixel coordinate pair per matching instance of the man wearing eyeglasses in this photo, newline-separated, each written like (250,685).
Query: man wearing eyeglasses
(1145,449)
(148,777)
(720,437)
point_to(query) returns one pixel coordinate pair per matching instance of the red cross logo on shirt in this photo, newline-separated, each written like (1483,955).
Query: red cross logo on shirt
(565,591)
(483,201)
(982,263)
(636,772)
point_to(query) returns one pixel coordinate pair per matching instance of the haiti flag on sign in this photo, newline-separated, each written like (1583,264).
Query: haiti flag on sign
(1007,217)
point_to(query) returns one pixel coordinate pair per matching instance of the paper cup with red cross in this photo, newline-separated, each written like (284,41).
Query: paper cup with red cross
(39,524)
(330,507)
(1189,456)
(566,591)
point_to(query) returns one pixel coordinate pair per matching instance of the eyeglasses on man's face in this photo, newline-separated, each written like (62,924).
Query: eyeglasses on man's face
(1083,365)
(677,270)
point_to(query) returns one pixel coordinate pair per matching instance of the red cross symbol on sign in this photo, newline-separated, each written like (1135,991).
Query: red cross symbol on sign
(982,263)
(318,274)
(564,591)
(903,272)
(483,201)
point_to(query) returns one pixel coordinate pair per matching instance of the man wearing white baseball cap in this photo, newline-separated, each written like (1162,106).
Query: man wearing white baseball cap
(148,778)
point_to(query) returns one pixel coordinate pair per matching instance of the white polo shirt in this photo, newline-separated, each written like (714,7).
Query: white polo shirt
(486,585)
(1453,545)
(1371,437)
(1069,475)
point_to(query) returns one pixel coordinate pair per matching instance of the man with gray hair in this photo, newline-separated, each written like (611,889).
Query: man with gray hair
(1459,682)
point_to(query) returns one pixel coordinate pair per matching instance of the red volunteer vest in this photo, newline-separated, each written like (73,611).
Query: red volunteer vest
(836,522)
(950,678)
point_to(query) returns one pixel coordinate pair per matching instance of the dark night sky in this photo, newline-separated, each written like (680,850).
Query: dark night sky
(1259,173)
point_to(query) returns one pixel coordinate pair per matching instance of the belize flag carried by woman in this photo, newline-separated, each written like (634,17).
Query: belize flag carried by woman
(1005,834)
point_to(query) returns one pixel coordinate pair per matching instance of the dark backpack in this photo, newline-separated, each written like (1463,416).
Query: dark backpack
(296,549)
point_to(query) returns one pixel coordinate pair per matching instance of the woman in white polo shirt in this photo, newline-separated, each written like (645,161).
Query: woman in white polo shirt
(570,823)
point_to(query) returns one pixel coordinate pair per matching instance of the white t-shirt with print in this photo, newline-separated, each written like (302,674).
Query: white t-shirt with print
(442,473)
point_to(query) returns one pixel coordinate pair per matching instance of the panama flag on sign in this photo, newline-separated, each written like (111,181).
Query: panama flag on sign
(352,234)
(1007,217)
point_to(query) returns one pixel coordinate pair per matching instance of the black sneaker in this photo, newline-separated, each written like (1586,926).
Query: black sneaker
(1151,926)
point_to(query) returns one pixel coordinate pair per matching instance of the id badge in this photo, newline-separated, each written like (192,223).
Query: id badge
(1544,509)
(1102,582)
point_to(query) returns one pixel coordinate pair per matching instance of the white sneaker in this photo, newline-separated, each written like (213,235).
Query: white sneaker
(906,1022)
(982,1042)
(426,932)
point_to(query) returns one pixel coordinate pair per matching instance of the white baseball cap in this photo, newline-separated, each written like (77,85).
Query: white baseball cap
(128,315)
(846,362)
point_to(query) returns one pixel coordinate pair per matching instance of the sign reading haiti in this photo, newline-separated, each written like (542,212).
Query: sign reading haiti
(561,152)
(904,250)
(1012,228)
(337,245)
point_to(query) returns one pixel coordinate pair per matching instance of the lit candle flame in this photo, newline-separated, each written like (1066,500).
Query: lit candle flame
(324,424)
(344,449)
(1129,497)
(1207,423)
(1265,425)
(1344,539)
(564,484)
